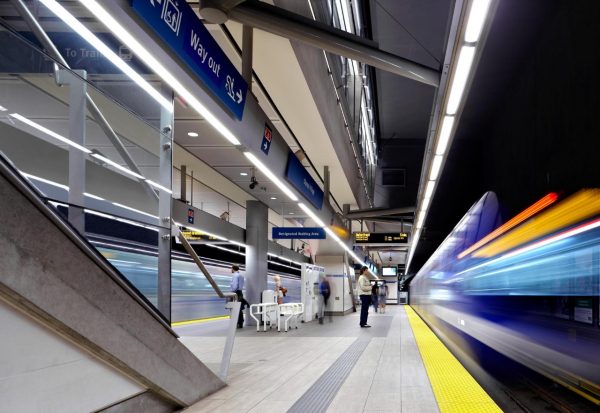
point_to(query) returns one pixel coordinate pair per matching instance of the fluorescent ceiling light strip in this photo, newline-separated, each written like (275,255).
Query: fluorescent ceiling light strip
(46,181)
(159,186)
(444,136)
(435,167)
(93,196)
(476,19)
(332,234)
(148,58)
(134,210)
(49,132)
(311,214)
(459,81)
(420,220)
(100,214)
(238,243)
(270,175)
(106,244)
(425,204)
(116,165)
(3,109)
(83,31)
(429,189)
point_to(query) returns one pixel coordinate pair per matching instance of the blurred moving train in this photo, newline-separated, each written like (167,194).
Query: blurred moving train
(528,289)
(192,297)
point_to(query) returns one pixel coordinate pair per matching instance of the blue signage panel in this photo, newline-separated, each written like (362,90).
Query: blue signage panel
(180,28)
(299,177)
(298,233)
(266,141)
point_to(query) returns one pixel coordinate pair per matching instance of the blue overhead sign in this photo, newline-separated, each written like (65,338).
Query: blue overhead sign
(179,27)
(299,177)
(266,141)
(298,233)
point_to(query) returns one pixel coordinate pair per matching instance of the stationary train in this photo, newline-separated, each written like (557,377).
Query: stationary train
(528,289)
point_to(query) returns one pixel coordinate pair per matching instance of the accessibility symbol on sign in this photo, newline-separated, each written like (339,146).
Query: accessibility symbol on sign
(266,141)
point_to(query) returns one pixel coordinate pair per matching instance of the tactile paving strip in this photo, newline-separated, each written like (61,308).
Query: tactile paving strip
(454,388)
(320,395)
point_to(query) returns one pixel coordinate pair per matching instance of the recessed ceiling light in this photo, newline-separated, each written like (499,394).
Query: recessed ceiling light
(291,213)
(244,173)
(273,197)
(193,134)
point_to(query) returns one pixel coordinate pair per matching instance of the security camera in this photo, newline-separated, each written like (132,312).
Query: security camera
(253,182)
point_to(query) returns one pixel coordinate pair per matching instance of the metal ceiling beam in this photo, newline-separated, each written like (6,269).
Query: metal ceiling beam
(379,212)
(283,23)
(406,221)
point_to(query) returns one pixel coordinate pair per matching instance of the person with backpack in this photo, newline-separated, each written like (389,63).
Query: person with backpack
(324,293)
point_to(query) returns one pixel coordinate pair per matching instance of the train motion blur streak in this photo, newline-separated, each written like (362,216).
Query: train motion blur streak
(192,296)
(530,292)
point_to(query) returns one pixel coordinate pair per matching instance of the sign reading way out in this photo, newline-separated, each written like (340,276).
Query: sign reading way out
(179,27)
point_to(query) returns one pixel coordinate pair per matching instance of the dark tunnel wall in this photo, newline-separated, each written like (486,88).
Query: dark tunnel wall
(531,125)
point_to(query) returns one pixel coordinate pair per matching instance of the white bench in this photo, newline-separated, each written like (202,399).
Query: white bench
(291,313)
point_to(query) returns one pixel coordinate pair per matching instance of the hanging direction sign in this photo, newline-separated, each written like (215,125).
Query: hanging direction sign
(179,27)
(380,238)
(298,233)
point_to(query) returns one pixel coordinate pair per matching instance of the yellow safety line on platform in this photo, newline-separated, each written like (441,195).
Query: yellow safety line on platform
(454,388)
(200,320)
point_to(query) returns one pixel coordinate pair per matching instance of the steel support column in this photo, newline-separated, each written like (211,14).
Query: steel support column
(77,132)
(164,209)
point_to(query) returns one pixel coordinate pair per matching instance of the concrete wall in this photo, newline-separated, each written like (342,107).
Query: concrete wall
(337,272)
(42,372)
(47,275)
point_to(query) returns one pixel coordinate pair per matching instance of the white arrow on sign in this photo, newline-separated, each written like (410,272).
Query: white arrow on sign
(239,95)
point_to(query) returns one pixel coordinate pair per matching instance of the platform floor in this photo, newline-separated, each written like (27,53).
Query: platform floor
(334,367)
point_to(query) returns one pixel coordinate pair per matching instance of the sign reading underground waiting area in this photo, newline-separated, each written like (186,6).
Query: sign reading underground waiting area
(298,233)
(180,28)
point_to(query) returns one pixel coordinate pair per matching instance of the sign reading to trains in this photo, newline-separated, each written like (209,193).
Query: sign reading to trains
(380,238)
(180,28)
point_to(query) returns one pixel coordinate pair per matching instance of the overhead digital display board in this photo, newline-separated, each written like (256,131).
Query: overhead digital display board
(380,238)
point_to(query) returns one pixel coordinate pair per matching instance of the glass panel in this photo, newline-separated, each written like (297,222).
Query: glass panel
(38,111)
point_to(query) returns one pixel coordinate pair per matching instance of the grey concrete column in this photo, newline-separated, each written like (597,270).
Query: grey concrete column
(256,252)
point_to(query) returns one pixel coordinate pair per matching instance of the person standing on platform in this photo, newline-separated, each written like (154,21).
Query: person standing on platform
(383,293)
(237,286)
(375,295)
(364,292)
(324,293)
(280,290)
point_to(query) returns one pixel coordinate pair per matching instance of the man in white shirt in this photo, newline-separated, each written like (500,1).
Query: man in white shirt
(364,292)
(237,286)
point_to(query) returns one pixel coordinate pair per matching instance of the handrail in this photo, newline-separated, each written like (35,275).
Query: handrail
(190,250)
(8,170)
(54,53)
